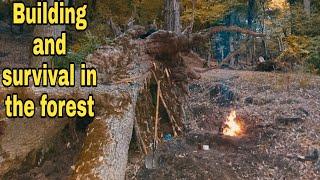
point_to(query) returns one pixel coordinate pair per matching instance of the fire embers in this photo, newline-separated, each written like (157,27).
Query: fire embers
(233,126)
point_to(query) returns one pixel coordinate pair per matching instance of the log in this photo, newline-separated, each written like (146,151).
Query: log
(232,55)
(157,43)
(105,151)
(217,29)
(170,48)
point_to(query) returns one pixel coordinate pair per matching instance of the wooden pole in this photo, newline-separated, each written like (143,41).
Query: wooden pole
(157,113)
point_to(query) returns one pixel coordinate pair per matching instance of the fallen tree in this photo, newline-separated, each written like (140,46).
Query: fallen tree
(105,151)
(174,49)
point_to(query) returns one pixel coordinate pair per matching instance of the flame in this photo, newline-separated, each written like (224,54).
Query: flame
(233,127)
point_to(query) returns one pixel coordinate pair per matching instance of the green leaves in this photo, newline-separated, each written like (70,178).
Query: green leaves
(77,54)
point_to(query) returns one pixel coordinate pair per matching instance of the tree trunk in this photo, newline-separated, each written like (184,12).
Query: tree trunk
(105,151)
(251,13)
(46,31)
(172,16)
(292,16)
(307,7)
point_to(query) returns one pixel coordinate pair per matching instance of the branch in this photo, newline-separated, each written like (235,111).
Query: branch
(115,29)
(217,29)
(142,146)
(231,55)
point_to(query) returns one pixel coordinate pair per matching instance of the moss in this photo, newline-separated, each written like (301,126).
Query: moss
(98,136)
(107,104)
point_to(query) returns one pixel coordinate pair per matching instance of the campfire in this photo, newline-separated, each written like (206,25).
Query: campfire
(233,126)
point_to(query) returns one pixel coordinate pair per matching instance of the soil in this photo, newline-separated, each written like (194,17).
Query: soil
(268,149)
(54,162)
(15,49)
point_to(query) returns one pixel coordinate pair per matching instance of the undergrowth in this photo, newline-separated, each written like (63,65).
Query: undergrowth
(79,51)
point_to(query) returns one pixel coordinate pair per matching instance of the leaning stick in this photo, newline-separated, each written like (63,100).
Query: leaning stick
(138,135)
(157,113)
(172,120)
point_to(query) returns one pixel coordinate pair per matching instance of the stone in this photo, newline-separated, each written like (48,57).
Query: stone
(248,100)
(222,94)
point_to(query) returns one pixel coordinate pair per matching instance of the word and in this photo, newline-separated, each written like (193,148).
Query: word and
(50,46)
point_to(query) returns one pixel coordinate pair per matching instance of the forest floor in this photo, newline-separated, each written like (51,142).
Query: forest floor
(57,162)
(282,138)
(14,48)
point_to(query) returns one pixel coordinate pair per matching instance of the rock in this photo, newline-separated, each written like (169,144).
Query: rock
(313,156)
(261,59)
(248,100)
(195,88)
(318,165)
(222,94)
(305,112)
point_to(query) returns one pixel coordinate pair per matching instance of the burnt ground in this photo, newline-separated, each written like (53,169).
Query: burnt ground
(281,113)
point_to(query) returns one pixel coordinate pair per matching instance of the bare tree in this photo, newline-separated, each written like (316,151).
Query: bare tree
(172,16)
(46,31)
(307,7)
(251,13)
